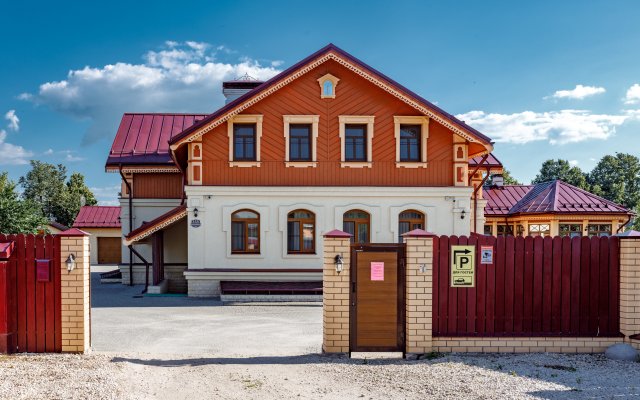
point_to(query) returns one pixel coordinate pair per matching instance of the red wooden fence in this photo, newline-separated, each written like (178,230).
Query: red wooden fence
(32,307)
(535,287)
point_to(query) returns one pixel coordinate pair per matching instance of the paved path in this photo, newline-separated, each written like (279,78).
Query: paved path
(124,322)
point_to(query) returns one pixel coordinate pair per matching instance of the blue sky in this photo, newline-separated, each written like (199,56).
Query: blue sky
(543,79)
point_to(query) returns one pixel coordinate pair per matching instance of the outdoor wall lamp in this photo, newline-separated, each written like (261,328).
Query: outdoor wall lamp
(195,212)
(339,263)
(462,214)
(71,262)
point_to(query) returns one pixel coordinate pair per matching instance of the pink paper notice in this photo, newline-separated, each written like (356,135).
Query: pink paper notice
(377,271)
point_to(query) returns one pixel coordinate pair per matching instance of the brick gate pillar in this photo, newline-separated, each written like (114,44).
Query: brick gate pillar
(75,292)
(419,293)
(335,293)
(630,289)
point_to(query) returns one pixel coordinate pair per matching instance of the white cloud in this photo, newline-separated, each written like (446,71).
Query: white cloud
(14,121)
(48,152)
(11,154)
(71,158)
(555,127)
(181,77)
(106,195)
(578,93)
(573,163)
(633,95)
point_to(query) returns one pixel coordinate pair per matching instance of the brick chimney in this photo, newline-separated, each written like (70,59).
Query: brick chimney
(239,86)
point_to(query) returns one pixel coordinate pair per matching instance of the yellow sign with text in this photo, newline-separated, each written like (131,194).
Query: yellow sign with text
(463,266)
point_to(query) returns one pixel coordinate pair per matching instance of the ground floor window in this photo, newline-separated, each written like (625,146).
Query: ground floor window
(539,229)
(245,232)
(599,230)
(488,230)
(504,230)
(357,223)
(301,232)
(571,230)
(409,220)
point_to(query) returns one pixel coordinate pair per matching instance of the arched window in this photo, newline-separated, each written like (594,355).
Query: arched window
(301,232)
(409,220)
(357,223)
(245,232)
(327,88)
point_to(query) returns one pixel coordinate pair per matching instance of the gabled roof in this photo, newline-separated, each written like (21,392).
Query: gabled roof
(57,225)
(547,197)
(143,139)
(98,217)
(491,161)
(326,53)
(148,228)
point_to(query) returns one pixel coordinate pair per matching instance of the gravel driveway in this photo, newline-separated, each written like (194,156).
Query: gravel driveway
(99,376)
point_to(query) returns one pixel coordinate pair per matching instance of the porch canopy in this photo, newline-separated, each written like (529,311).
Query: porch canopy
(154,229)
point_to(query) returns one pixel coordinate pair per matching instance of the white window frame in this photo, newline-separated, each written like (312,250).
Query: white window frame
(245,119)
(301,119)
(424,130)
(356,119)
(333,80)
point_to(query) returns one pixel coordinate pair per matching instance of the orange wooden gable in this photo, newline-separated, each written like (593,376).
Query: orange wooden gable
(354,96)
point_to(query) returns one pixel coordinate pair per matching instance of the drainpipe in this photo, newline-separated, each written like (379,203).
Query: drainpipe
(475,200)
(625,224)
(146,263)
(126,182)
(184,174)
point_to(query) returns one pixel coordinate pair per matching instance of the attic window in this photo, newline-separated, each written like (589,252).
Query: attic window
(328,85)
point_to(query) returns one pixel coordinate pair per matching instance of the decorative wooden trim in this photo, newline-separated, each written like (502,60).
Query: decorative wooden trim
(300,164)
(301,119)
(424,136)
(155,228)
(245,119)
(356,119)
(146,170)
(334,81)
(312,65)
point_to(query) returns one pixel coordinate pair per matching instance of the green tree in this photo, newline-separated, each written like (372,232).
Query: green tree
(60,200)
(617,178)
(561,169)
(506,177)
(17,215)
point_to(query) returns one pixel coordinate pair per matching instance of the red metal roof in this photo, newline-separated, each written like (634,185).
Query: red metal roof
(546,197)
(144,138)
(98,217)
(491,161)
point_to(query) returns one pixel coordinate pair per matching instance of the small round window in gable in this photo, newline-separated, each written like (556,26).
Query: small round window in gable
(328,85)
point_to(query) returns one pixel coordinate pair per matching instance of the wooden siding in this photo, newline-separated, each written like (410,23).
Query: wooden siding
(157,186)
(354,96)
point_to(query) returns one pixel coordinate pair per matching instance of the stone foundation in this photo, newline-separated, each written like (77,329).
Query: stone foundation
(523,344)
(242,298)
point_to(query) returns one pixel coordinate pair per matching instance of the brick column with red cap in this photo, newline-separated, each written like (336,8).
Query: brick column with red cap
(419,291)
(335,293)
(75,292)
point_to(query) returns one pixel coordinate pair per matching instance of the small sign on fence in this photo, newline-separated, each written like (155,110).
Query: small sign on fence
(463,266)
(486,254)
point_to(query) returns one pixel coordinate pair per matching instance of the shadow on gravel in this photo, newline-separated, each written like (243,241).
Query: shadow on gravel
(261,360)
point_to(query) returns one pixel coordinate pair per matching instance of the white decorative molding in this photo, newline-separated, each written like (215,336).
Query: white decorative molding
(357,119)
(290,78)
(147,170)
(245,119)
(424,136)
(334,82)
(148,232)
(313,120)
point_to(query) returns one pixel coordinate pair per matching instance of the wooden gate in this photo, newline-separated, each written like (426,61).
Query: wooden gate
(30,295)
(534,287)
(377,297)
